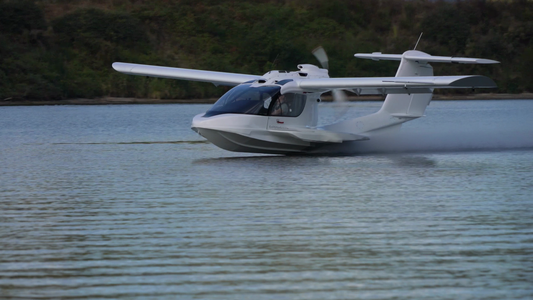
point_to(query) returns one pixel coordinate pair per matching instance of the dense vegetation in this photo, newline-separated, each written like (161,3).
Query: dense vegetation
(59,49)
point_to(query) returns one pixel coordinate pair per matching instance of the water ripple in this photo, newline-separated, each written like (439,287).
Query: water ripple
(112,208)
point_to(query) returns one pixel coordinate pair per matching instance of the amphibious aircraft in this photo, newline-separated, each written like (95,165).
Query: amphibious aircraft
(277,112)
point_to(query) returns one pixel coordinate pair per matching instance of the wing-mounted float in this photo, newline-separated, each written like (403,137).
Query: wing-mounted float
(277,112)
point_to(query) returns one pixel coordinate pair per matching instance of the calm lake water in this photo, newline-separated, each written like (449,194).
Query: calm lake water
(127,202)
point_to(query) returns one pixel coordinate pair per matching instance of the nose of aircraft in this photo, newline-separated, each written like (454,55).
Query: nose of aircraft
(215,129)
(198,122)
(201,123)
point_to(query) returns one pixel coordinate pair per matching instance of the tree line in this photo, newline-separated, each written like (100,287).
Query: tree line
(60,49)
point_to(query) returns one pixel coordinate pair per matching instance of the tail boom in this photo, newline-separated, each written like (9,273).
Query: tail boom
(402,107)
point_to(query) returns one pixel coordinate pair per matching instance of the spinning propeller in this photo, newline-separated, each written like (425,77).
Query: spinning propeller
(339,95)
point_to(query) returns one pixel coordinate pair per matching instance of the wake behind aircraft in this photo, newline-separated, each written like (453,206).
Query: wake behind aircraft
(277,112)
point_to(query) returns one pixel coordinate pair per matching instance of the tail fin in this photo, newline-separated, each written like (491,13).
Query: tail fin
(400,108)
(414,105)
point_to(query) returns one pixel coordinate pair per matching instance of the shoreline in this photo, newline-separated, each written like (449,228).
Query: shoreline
(119,100)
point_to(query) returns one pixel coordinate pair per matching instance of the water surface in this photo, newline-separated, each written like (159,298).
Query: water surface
(127,202)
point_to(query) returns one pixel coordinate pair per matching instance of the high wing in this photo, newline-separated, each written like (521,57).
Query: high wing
(217,78)
(360,86)
(388,85)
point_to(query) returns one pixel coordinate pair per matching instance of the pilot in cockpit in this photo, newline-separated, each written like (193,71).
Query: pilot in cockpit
(281,107)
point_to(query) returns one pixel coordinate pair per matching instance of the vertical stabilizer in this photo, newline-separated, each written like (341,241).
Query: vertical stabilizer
(413,105)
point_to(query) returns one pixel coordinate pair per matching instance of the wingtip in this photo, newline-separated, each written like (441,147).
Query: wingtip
(120,66)
(115,65)
(487,61)
(475,81)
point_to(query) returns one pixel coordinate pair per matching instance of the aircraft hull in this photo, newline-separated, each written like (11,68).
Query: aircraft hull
(239,143)
(246,133)
(262,134)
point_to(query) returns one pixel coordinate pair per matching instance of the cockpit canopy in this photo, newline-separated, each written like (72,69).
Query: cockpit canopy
(258,100)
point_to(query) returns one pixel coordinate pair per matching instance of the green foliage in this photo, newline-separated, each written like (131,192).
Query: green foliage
(16,16)
(70,55)
(447,26)
(90,27)
(526,68)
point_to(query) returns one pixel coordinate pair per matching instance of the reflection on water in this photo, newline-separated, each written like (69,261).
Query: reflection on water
(97,209)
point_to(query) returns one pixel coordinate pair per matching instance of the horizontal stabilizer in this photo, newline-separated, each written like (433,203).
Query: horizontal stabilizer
(423,57)
(378,56)
(217,78)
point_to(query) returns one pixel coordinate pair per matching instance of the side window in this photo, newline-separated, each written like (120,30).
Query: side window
(288,105)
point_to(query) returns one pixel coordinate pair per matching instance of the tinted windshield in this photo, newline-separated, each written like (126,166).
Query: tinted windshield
(244,99)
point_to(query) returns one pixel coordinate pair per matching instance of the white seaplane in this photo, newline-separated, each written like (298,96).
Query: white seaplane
(277,112)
